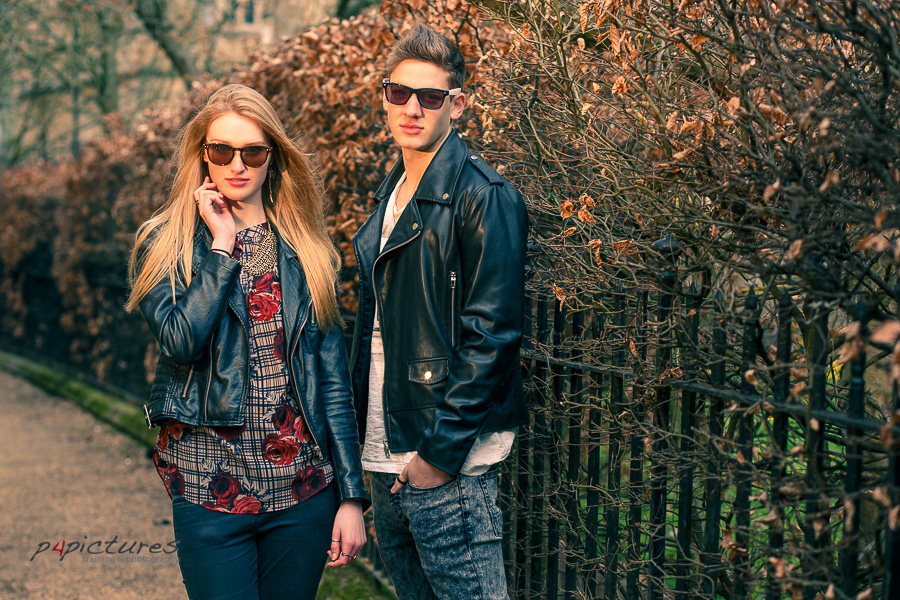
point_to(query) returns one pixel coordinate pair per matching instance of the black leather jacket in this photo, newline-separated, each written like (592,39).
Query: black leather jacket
(450,292)
(203,377)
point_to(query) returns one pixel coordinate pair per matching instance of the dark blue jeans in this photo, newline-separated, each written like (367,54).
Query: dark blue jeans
(275,555)
(441,542)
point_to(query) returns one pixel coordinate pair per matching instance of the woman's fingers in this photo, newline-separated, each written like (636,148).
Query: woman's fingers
(348,535)
(206,195)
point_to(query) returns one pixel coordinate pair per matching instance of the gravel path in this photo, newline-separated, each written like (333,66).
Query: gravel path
(72,486)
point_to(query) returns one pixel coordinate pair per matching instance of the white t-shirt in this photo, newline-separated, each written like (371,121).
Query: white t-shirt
(489,448)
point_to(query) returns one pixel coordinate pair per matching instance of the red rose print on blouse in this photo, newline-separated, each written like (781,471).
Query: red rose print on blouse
(170,428)
(176,429)
(238,250)
(283,419)
(278,345)
(300,430)
(263,283)
(224,487)
(262,306)
(280,449)
(162,441)
(307,482)
(171,476)
(246,505)
(215,507)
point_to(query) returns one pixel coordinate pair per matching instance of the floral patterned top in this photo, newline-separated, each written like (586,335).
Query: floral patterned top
(268,463)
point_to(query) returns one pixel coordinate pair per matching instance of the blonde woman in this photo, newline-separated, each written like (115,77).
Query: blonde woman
(258,444)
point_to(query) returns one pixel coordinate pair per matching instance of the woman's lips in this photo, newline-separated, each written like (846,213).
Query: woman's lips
(237,182)
(411,129)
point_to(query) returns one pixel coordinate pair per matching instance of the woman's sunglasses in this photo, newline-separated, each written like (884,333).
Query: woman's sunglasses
(223,154)
(429,98)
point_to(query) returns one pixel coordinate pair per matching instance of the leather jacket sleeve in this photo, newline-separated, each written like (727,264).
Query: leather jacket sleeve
(492,248)
(334,382)
(184,324)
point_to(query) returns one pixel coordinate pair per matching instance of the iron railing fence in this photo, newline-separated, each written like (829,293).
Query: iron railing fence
(745,463)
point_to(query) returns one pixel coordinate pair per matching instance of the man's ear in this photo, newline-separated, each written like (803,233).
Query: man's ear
(458,106)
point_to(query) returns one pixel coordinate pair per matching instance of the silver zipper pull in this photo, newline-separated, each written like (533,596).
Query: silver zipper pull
(387,450)
(452,280)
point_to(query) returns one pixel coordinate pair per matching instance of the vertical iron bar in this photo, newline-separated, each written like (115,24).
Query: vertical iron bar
(686,468)
(636,466)
(815,560)
(856,409)
(554,448)
(892,536)
(614,465)
(593,444)
(744,455)
(661,417)
(781,392)
(536,522)
(522,470)
(573,541)
(712,557)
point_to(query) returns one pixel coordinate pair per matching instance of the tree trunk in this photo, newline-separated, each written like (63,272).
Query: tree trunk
(152,14)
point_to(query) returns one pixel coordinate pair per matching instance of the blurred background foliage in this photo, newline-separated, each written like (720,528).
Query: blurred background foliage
(762,139)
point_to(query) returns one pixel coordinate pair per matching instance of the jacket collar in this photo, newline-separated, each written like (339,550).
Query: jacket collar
(440,178)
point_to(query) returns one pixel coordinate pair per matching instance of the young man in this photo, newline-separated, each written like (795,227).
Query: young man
(435,356)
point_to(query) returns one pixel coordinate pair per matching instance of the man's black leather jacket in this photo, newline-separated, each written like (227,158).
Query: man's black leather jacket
(450,292)
(203,377)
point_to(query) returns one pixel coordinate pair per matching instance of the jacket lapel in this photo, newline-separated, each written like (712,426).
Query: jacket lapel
(294,293)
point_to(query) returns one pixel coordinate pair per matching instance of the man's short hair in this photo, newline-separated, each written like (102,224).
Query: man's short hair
(424,44)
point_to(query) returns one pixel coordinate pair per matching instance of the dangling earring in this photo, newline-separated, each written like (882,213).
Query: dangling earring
(271,197)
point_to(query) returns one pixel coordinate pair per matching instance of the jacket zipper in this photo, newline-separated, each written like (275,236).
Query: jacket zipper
(294,382)
(453,308)
(187,383)
(208,384)
(387,449)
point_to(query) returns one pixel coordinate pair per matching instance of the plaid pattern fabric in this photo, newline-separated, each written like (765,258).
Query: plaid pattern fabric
(268,463)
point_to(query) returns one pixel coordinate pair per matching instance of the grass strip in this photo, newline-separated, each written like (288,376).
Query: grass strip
(109,408)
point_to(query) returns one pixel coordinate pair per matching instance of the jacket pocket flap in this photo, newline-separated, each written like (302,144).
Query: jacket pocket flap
(428,371)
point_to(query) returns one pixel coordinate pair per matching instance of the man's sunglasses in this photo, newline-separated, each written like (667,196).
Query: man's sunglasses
(223,154)
(429,98)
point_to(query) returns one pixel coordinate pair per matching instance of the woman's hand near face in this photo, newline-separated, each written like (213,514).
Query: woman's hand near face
(348,535)
(217,215)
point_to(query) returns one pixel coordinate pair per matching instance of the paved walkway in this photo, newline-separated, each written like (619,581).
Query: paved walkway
(69,486)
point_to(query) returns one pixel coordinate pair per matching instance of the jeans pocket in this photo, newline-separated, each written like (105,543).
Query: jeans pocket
(489,491)
(413,488)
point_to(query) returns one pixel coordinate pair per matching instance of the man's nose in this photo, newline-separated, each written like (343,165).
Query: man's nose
(412,107)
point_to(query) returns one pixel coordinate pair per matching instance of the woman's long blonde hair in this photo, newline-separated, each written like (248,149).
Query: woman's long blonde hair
(164,245)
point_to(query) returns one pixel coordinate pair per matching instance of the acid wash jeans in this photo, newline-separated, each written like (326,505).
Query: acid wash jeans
(442,542)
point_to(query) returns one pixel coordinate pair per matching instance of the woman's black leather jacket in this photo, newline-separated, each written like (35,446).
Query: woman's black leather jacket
(203,377)
(450,290)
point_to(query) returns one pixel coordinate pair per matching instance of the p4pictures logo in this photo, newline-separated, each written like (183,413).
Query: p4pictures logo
(106,551)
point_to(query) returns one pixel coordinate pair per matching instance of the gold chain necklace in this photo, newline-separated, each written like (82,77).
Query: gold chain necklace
(264,256)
